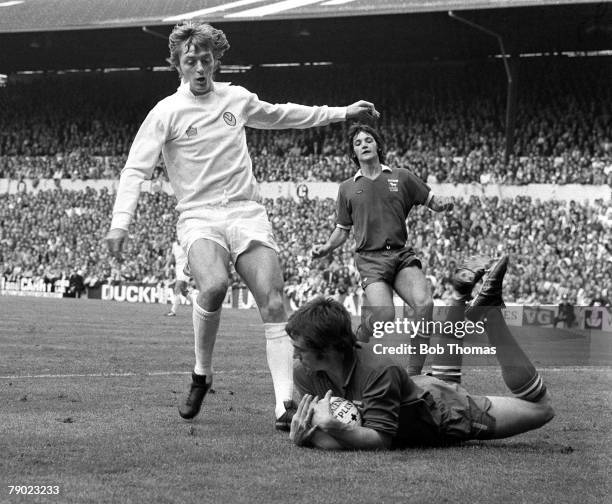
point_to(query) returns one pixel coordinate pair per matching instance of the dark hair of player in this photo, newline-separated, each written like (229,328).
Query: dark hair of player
(323,324)
(199,34)
(357,128)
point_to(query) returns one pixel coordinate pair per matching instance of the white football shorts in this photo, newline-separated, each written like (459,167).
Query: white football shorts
(235,226)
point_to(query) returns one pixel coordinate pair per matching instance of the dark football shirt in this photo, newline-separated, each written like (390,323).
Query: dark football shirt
(388,399)
(377,209)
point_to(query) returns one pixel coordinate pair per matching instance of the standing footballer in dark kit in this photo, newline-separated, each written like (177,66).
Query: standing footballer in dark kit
(200,130)
(376,202)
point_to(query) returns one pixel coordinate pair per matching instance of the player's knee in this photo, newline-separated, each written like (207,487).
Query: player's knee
(211,295)
(423,302)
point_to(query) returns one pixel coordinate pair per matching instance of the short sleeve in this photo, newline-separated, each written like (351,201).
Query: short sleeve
(343,211)
(417,190)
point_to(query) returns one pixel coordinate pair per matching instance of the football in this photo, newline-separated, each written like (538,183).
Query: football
(345,411)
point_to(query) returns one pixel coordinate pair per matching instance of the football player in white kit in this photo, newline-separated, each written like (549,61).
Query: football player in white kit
(181,279)
(200,130)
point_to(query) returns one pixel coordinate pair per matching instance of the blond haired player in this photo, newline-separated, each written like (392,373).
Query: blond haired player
(200,130)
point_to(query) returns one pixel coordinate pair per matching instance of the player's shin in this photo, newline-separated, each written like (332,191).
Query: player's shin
(416,361)
(279,351)
(205,328)
(518,372)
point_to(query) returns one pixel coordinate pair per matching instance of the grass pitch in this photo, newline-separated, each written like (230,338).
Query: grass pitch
(88,402)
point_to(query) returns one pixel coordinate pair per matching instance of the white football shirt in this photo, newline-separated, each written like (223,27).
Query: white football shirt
(203,142)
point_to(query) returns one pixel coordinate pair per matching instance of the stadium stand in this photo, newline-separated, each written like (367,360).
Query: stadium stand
(447,126)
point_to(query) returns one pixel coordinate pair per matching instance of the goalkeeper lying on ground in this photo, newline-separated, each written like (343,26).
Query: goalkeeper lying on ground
(398,410)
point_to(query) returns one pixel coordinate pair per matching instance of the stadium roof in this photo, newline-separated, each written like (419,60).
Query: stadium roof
(66,34)
(51,15)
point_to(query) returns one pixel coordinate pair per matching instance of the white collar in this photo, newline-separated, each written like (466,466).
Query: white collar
(359,173)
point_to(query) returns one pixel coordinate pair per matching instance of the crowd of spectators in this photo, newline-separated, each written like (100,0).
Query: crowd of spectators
(51,234)
(557,248)
(293,167)
(335,168)
(446,123)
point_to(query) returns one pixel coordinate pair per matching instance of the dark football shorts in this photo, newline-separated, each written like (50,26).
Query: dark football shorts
(384,265)
(461,416)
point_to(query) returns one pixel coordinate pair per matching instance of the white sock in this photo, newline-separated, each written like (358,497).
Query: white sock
(279,351)
(205,327)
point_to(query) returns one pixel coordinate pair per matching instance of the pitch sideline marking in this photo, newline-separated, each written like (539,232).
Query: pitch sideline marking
(102,375)
(234,371)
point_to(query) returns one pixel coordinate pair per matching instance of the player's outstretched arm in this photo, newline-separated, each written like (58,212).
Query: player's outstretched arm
(337,238)
(264,115)
(441,204)
(114,241)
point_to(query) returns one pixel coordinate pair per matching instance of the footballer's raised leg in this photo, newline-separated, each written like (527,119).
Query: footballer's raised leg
(518,372)
(530,408)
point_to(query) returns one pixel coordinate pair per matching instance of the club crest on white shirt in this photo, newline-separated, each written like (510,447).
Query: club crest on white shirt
(191,131)
(393,185)
(229,118)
